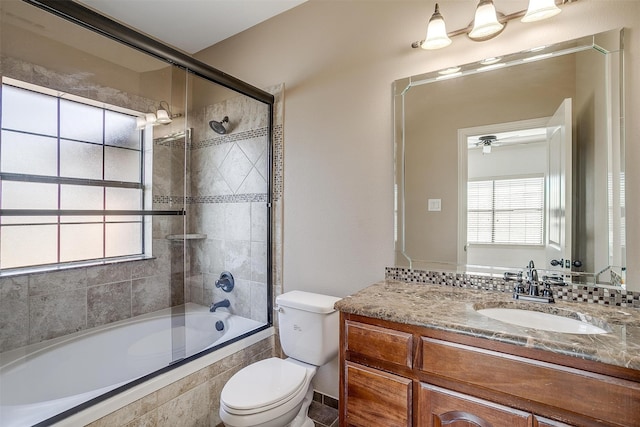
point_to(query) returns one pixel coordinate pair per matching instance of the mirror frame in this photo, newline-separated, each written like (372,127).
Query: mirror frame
(609,42)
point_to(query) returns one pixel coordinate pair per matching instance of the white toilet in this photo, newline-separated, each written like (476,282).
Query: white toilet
(276,392)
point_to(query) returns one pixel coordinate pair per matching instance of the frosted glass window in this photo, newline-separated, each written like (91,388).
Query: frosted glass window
(120,130)
(67,157)
(28,154)
(81,122)
(23,246)
(123,239)
(78,197)
(80,242)
(121,164)
(80,160)
(123,199)
(29,111)
(28,195)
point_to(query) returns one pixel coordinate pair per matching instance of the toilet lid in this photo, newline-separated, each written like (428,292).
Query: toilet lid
(263,384)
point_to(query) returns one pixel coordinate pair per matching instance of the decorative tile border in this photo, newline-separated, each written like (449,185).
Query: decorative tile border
(229,198)
(226,198)
(232,137)
(278,162)
(572,293)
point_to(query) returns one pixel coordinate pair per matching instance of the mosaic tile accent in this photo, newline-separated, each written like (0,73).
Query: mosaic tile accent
(232,137)
(229,198)
(278,162)
(571,293)
(169,200)
(226,198)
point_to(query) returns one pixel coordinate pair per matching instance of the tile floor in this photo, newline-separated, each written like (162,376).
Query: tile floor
(324,410)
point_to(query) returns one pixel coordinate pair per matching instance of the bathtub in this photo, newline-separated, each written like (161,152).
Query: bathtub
(46,379)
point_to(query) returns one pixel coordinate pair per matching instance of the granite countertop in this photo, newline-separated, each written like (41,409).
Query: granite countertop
(454,310)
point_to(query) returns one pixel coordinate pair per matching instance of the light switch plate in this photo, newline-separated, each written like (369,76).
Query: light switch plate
(435,205)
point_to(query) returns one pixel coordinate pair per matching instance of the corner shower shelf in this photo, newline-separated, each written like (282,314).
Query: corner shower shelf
(192,236)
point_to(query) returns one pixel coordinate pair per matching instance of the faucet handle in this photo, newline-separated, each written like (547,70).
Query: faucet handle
(553,280)
(510,277)
(226,281)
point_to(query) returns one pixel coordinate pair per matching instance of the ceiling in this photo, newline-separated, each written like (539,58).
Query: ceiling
(191,25)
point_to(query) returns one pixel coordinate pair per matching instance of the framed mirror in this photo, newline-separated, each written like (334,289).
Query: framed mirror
(515,159)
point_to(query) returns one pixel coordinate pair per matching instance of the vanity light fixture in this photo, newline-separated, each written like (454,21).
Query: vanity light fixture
(437,37)
(540,9)
(162,116)
(487,23)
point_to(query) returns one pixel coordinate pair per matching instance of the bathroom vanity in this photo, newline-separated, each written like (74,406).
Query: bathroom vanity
(422,355)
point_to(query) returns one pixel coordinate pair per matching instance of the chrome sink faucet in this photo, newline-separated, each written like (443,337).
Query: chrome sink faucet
(526,285)
(532,279)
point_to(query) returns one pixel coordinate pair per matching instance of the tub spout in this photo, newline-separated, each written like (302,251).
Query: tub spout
(216,305)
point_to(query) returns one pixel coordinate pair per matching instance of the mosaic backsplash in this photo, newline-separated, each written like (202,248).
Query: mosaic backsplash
(571,292)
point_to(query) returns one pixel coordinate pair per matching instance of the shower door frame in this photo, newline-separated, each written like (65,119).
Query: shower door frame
(87,18)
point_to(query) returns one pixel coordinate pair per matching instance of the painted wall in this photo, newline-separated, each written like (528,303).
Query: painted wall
(338,60)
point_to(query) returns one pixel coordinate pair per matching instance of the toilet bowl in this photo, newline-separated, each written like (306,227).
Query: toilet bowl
(277,392)
(269,393)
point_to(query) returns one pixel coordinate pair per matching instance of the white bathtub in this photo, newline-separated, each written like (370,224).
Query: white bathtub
(46,379)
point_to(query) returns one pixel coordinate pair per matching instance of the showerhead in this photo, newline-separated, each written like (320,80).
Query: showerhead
(219,127)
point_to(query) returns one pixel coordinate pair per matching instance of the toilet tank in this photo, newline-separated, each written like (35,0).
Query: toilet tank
(309,326)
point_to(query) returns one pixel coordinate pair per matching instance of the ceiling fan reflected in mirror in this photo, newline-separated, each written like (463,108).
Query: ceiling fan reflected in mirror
(486,142)
(520,137)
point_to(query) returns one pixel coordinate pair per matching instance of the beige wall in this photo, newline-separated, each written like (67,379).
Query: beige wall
(338,60)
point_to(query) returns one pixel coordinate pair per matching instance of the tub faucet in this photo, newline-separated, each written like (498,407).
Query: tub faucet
(216,305)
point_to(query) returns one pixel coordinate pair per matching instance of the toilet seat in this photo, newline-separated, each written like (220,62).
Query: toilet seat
(262,386)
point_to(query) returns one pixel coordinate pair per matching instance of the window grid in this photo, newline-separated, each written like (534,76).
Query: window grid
(506,211)
(127,140)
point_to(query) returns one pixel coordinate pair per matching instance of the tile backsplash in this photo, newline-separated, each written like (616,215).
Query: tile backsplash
(570,292)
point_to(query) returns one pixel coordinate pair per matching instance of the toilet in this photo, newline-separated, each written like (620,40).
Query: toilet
(277,392)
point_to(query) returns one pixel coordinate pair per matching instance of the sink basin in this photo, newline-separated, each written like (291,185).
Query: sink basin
(543,321)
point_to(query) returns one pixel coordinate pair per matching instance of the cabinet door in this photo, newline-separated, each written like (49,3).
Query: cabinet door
(440,407)
(375,398)
(544,422)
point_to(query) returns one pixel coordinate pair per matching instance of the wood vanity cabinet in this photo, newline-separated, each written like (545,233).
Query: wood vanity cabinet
(402,375)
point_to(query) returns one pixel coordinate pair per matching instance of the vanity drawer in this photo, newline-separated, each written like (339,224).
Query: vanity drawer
(593,395)
(379,343)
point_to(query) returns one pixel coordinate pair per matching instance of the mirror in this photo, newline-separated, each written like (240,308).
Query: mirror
(470,141)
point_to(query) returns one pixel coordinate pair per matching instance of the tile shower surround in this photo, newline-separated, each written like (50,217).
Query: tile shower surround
(572,293)
(41,306)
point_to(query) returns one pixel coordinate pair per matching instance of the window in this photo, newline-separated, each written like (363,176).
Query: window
(66,166)
(506,211)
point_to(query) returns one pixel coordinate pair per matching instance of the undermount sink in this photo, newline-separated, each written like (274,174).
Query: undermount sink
(539,320)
